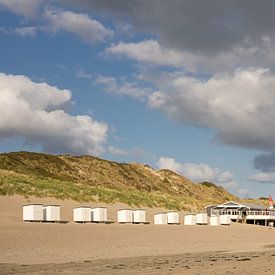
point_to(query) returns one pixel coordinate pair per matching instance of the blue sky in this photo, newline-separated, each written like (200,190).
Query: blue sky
(143,81)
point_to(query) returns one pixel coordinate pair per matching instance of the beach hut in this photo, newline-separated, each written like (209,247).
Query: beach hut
(173,217)
(99,214)
(190,219)
(225,219)
(201,218)
(139,216)
(160,218)
(214,220)
(124,216)
(82,214)
(51,213)
(33,212)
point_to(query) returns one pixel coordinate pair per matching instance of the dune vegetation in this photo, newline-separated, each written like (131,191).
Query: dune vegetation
(86,178)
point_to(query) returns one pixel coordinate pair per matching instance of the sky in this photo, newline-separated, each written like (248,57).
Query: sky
(185,85)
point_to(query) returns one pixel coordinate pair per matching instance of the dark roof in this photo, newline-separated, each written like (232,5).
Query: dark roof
(255,206)
(232,204)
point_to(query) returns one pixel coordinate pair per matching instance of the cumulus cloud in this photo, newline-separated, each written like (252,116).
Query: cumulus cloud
(264,177)
(117,151)
(89,30)
(239,106)
(198,172)
(148,51)
(208,28)
(265,162)
(152,53)
(134,152)
(36,113)
(26,8)
(26,31)
(55,20)
(114,86)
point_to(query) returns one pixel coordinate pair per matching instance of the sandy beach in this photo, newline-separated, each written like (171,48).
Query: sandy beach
(50,248)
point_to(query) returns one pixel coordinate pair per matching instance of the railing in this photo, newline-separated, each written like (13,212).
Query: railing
(261,213)
(227,212)
(242,213)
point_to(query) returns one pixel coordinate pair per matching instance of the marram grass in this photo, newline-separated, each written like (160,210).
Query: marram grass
(16,184)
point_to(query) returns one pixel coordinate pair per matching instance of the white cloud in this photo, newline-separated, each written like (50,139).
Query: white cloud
(171,164)
(151,52)
(263,177)
(134,152)
(21,31)
(239,106)
(35,112)
(111,85)
(89,30)
(148,51)
(83,74)
(27,8)
(25,31)
(198,172)
(210,32)
(117,151)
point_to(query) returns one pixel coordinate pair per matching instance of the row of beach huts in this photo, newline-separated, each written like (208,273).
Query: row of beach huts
(85,214)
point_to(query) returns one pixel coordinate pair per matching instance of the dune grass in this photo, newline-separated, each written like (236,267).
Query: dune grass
(87,178)
(17,184)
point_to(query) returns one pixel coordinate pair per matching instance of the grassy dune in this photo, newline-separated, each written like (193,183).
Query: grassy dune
(13,183)
(92,179)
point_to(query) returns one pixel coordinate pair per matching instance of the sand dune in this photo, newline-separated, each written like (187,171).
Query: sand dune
(127,249)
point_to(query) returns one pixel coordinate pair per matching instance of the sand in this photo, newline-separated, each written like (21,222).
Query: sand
(50,248)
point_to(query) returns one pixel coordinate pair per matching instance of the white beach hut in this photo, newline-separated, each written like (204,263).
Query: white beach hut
(190,219)
(225,220)
(82,214)
(139,216)
(33,212)
(51,213)
(124,216)
(201,218)
(214,220)
(160,218)
(99,214)
(173,217)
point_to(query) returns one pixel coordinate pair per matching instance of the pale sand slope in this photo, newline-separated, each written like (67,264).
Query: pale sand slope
(115,248)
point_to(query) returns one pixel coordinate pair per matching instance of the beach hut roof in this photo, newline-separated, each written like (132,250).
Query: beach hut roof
(32,204)
(173,211)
